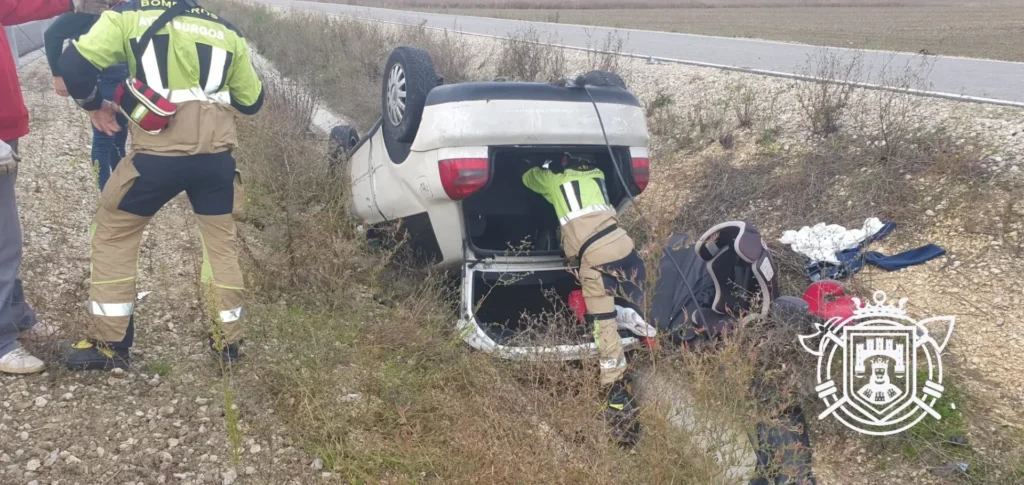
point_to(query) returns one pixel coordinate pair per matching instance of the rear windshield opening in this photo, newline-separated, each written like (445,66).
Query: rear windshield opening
(507,218)
(527,307)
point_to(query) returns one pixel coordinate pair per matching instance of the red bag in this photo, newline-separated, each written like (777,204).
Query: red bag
(578,305)
(828,299)
(145,107)
(150,111)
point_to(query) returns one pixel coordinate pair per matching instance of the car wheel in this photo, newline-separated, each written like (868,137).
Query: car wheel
(409,77)
(342,140)
(601,78)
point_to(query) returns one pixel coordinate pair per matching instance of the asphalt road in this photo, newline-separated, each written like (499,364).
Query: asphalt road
(954,77)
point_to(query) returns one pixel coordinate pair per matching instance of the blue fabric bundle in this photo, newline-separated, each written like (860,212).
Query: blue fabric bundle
(853,259)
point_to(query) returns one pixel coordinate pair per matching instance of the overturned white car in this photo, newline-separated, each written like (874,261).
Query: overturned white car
(447,161)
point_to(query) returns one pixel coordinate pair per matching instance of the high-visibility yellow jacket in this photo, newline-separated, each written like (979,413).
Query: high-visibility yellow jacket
(198,54)
(573,193)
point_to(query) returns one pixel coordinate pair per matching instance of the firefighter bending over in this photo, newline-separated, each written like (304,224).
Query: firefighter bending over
(609,268)
(190,76)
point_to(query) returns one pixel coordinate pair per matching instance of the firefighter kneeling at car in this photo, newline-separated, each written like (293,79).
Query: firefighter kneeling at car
(609,268)
(190,77)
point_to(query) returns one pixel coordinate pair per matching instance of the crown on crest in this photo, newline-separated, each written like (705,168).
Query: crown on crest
(879,308)
(879,362)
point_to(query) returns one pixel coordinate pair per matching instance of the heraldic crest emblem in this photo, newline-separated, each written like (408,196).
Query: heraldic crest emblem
(879,371)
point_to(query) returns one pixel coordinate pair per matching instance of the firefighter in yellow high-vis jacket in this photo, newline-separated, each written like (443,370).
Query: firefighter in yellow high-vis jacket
(199,63)
(609,268)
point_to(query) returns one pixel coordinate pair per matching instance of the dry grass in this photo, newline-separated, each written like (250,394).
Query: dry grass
(525,57)
(367,371)
(881,158)
(885,161)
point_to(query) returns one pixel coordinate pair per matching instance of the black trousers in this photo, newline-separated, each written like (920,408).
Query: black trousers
(625,279)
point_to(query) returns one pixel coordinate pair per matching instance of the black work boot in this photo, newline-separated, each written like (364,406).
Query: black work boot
(622,414)
(94,355)
(227,353)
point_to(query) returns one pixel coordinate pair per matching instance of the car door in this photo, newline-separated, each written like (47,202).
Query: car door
(364,204)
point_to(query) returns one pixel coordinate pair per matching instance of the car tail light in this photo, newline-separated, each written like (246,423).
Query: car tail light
(460,177)
(641,172)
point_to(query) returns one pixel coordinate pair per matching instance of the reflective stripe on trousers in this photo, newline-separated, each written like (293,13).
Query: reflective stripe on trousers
(584,211)
(232,315)
(111,309)
(611,364)
(612,357)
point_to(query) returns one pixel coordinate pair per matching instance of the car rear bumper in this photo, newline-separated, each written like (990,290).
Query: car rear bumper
(473,334)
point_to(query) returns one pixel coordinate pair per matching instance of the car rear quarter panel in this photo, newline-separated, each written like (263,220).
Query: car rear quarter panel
(384,191)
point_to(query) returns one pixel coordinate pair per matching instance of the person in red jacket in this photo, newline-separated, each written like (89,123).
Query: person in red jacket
(13,115)
(16,316)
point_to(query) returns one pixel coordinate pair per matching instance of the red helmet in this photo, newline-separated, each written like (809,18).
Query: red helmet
(827,299)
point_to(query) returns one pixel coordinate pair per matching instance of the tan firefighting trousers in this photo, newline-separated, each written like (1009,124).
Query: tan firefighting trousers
(600,301)
(198,129)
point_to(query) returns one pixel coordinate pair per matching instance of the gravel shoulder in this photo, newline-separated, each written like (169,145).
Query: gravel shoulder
(163,421)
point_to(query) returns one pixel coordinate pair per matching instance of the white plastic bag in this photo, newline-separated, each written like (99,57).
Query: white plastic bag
(821,242)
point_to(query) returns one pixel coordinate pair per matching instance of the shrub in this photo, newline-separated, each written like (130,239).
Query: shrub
(526,56)
(605,55)
(745,105)
(824,100)
(890,120)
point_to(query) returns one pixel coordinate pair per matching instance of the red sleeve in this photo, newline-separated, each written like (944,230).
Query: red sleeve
(14,12)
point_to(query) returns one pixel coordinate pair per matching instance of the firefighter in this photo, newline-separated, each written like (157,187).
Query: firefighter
(190,76)
(609,268)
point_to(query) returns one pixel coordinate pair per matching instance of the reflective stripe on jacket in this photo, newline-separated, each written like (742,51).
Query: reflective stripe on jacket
(573,193)
(196,51)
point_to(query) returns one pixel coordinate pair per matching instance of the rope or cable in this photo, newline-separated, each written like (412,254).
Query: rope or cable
(643,218)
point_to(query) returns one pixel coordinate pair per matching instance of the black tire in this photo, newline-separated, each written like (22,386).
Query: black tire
(601,78)
(342,140)
(412,69)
